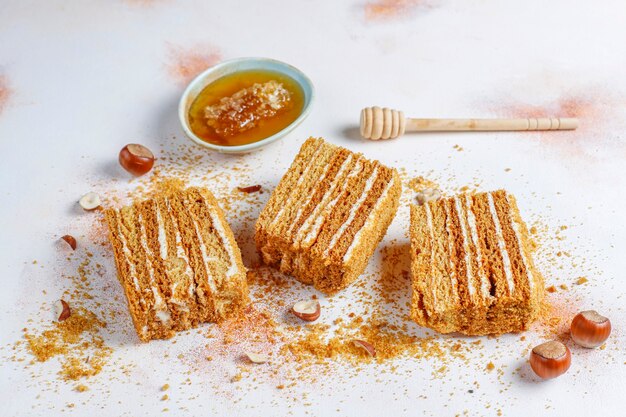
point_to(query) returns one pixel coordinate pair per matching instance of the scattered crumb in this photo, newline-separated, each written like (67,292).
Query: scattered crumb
(420,183)
(76,341)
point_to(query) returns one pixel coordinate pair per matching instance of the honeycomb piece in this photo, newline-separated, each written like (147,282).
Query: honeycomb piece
(244,109)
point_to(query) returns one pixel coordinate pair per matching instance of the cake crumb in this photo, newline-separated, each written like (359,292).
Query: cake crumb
(165,397)
(81,388)
(581,280)
(551,289)
(76,340)
(420,183)
(490,366)
(165,387)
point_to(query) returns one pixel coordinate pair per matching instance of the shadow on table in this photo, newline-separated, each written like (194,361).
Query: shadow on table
(352,133)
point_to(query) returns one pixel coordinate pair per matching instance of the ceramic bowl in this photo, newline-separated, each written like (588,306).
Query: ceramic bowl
(243,64)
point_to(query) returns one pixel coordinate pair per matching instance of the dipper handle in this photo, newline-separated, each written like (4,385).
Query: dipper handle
(383,123)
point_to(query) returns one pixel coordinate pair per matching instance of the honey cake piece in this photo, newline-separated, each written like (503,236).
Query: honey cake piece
(328,213)
(177,261)
(471,265)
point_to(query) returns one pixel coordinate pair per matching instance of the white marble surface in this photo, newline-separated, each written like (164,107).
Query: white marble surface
(80,79)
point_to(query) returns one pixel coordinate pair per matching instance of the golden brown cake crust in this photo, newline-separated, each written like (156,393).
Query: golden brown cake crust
(177,261)
(471,265)
(327,215)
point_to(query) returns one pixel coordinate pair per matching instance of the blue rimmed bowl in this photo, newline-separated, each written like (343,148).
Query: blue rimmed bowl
(236,65)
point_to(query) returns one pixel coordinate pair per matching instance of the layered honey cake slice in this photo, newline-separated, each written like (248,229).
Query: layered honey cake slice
(325,218)
(471,264)
(177,261)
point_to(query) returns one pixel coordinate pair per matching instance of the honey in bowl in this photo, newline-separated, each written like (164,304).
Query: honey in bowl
(245,107)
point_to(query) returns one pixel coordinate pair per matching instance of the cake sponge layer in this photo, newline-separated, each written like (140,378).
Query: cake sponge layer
(325,218)
(471,264)
(177,261)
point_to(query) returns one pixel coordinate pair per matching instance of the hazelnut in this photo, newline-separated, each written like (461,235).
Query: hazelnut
(90,201)
(250,189)
(257,357)
(308,310)
(427,194)
(589,329)
(367,347)
(550,359)
(70,240)
(62,310)
(136,159)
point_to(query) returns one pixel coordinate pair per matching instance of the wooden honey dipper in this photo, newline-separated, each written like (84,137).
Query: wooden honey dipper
(383,123)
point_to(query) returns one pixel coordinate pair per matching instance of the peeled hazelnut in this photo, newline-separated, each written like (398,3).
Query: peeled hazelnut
(308,310)
(589,329)
(367,347)
(90,201)
(257,357)
(62,310)
(550,359)
(427,194)
(136,159)
(71,241)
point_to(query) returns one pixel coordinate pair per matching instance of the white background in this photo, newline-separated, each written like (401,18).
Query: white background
(86,77)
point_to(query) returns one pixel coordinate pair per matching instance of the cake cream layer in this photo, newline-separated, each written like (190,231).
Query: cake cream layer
(327,215)
(471,264)
(177,261)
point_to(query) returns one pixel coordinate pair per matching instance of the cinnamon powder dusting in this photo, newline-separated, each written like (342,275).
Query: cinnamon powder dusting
(185,63)
(580,106)
(381,10)
(597,118)
(5,92)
